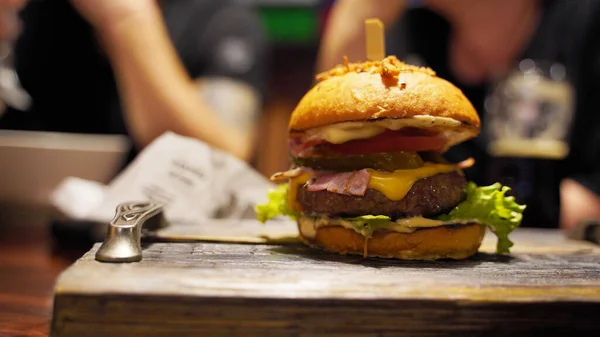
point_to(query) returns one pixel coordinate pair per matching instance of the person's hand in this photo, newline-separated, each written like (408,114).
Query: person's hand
(100,13)
(10,25)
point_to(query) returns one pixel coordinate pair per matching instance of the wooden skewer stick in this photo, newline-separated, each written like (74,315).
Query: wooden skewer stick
(375,43)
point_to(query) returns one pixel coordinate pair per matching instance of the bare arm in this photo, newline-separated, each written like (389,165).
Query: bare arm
(577,204)
(344,34)
(236,103)
(158,95)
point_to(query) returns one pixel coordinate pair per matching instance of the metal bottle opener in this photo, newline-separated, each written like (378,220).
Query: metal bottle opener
(123,238)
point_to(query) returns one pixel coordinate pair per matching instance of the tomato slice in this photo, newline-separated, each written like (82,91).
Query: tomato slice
(404,140)
(412,144)
(389,142)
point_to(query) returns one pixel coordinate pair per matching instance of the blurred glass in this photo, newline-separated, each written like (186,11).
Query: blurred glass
(11,92)
(529,113)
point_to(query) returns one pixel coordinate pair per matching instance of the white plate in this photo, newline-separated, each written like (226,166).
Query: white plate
(32,164)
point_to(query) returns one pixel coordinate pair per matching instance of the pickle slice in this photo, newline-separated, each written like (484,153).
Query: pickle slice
(433,157)
(377,161)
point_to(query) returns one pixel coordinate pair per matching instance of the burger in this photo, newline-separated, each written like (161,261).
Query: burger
(368,175)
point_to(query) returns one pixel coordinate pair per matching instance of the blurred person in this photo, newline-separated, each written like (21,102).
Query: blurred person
(140,68)
(473,42)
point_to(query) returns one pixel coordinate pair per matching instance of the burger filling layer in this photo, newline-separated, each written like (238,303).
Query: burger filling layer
(308,225)
(450,130)
(426,197)
(390,178)
(384,175)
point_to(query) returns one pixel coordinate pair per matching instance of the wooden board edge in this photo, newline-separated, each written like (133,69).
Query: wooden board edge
(87,316)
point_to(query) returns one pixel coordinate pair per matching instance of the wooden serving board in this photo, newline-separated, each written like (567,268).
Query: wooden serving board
(550,286)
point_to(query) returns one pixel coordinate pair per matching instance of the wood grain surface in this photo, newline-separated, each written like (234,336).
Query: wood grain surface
(29,265)
(550,285)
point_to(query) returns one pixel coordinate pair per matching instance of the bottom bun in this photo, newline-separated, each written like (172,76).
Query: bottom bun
(445,242)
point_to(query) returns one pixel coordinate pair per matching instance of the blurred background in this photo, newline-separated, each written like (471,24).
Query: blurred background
(85,85)
(37,152)
(231,72)
(295,28)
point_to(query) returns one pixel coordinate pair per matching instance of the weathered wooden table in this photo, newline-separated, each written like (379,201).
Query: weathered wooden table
(550,286)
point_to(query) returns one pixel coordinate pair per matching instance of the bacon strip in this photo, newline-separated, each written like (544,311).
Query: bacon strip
(299,148)
(320,183)
(466,163)
(290,173)
(349,183)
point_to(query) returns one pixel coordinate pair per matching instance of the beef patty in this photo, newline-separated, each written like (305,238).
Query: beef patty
(429,196)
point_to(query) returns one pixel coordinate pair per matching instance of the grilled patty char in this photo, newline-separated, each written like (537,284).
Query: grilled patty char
(427,197)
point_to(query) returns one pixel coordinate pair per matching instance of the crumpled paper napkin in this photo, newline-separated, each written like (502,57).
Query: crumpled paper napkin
(194,182)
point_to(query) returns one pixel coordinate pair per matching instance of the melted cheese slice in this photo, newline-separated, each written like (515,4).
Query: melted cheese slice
(394,185)
(293,190)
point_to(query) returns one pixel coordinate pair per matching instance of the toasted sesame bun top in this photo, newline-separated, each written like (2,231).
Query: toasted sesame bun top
(387,89)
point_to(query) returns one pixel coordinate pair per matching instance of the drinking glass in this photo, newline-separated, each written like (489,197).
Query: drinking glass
(11,92)
(529,112)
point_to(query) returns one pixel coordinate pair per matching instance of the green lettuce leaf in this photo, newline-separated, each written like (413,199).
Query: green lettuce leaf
(276,205)
(489,206)
(366,224)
